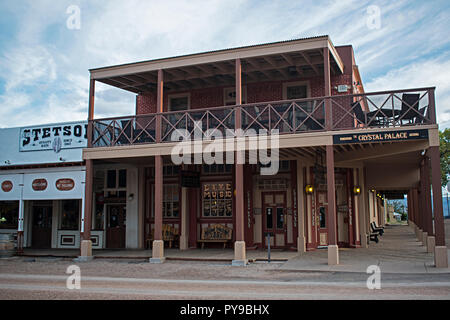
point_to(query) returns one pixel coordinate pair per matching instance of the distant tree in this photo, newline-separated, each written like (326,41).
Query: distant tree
(444,148)
(398,205)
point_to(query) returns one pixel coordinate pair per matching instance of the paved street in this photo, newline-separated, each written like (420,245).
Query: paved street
(46,279)
(406,273)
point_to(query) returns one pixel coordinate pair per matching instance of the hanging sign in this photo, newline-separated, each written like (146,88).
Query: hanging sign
(381,136)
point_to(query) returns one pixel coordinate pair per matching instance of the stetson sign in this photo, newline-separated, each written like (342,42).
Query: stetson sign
(57,137)
(401,135)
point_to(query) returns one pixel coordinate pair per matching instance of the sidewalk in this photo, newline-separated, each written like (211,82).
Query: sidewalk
(397,252)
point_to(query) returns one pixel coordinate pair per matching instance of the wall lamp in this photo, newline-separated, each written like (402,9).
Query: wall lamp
(309,189)
(131,197)
(356,191)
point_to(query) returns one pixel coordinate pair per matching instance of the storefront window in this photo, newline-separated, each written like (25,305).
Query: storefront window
(217,200)
(9,214)
(70,215)
(217,168)
(171,203)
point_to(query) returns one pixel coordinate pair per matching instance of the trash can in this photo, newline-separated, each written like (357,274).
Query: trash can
(7,245)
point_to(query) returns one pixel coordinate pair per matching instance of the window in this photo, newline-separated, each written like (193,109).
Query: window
(296,90)
(283,165)
(217,199)
(171,202)
(171,170)
(323,218)
(179,102)
(217,168)
(229,96)
(70,215)
(9,214)
(116,183)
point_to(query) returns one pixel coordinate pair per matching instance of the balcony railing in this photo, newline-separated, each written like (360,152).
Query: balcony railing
(388,109)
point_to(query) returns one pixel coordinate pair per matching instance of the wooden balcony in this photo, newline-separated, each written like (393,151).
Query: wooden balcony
(387,109)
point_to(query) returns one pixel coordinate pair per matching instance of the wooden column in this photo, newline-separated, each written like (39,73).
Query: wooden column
(90,129)
(89,178)
(416,208)
(428,213)
(158,243)
(88,200)
(437,195)
(327,93)
(239,172)
(332,236)
(159,161)
(333,250)
(240,256)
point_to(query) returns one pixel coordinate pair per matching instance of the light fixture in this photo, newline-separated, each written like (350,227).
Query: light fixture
(3,219)
(356,191)
(309,189)
(131,196)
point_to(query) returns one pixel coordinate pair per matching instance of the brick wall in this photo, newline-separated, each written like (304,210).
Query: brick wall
(256,92)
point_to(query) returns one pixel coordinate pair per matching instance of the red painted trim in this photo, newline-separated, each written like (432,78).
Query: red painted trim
(294,202)
(248,205)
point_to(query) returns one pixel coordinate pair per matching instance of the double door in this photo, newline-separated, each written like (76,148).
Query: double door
(274,219)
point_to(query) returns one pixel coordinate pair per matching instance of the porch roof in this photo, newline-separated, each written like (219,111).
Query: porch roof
(270,61)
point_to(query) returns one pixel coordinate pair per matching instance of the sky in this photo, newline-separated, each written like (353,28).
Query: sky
(47,47)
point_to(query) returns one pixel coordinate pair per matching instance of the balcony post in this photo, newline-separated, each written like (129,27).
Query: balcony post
(422,204)
(440,250)
(418,214)
(432,105)
(427,204)
(90,129)
(333,250)
(240,257)
(158,242)
(86,242)
(327,86)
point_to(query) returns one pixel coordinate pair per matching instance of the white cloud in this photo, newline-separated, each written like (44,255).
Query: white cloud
(45,66)
(428,73)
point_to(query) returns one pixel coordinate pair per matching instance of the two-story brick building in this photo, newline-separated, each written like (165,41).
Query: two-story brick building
(339,148)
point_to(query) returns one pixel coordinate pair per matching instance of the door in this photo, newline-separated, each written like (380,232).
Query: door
(115,227)
(42,225)
(274,218)
(322,219)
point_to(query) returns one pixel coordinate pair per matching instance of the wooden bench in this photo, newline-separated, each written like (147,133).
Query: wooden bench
(216,233)
(169,233)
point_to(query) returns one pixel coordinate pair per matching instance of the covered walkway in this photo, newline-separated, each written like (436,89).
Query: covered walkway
(398,251)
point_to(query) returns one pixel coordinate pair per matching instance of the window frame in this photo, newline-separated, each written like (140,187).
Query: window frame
(286,85)
(229,102)
(176,96)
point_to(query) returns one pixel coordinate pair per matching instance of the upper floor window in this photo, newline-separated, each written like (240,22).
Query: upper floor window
(116,179)
(295,90)
(229,96)
(179,102)
(217,168)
